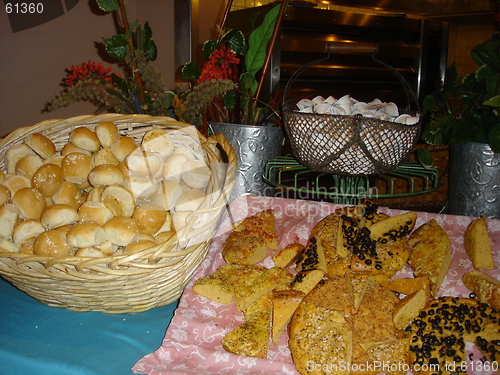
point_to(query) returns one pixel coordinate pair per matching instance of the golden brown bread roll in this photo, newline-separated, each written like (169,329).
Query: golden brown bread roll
(51,243)
(69,194)
(48,179)
(123,147)
(30,202)
(40,144)
(9,213)
(28,165)
(92,251)
(137,246)
(94,211)
(14,154)
(159,141)
(118,200)
(55,159)
(150,217)
(6,245)
(163,237)
(85,138)
(58,215)
(107,133)
(5,194)
(105,174)
(104,156)
(27,231)
(122,230)
(86,234)
(70,148)
(76,167)
(16,182)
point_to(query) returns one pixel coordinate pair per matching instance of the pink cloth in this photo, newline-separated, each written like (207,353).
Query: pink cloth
(192,343)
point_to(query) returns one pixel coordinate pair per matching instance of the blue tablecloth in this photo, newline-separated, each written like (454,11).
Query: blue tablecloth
(36,339)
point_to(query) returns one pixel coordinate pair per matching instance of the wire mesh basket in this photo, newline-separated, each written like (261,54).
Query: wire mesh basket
(348,145)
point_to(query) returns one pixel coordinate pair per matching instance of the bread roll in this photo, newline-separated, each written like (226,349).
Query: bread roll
(15,182)
(40,144)
(93,252)
(28,165)
(56,159)
(27,231)
(2,176)
(173,167)
(6,245)
(137,246)
(94,211)
(144,163)
(86,234)
(150,217)
(104,156)
(9,213)
(76,167)
(118,200)
(163,237)
(14,154)
(58,215)
(142,187)
(85,138)
(95,194)
(5,194)
(69,194)
(51,243)
(158,141)
(70,148)
(48,179)
(122,230)
(107,133)
(30,202)
(123,147)
(105,174)
(196,174)
(190,200)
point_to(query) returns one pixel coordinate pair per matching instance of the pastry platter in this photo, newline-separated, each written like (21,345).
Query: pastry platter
(193,340)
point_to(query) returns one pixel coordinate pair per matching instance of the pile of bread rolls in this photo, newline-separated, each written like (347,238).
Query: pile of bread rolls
(101,193)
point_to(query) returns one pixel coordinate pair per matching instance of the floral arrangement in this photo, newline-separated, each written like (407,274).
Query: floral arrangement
(139,90)
(225,88)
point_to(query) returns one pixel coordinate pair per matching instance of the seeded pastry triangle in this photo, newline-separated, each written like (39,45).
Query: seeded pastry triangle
(285,302)
(392,354)
(251,338)
(250,239)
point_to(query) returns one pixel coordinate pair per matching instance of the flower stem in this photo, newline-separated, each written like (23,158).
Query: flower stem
(137,76)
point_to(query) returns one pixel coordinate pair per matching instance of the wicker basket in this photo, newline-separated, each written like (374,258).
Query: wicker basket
(132,282)
(348,145)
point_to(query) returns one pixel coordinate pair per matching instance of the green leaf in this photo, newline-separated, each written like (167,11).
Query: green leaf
(425,158)
(150,49)
(493,102)
(108,5)
(235,41)
(116,46)
(190,71)
(487,53)
(258,39)
(120,83)
(248,83)
(208,47)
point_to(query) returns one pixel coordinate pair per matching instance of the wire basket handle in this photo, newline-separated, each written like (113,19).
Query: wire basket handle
(359,48)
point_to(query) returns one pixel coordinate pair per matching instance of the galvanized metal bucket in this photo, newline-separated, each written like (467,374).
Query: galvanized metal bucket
(253,146)
(474,183)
